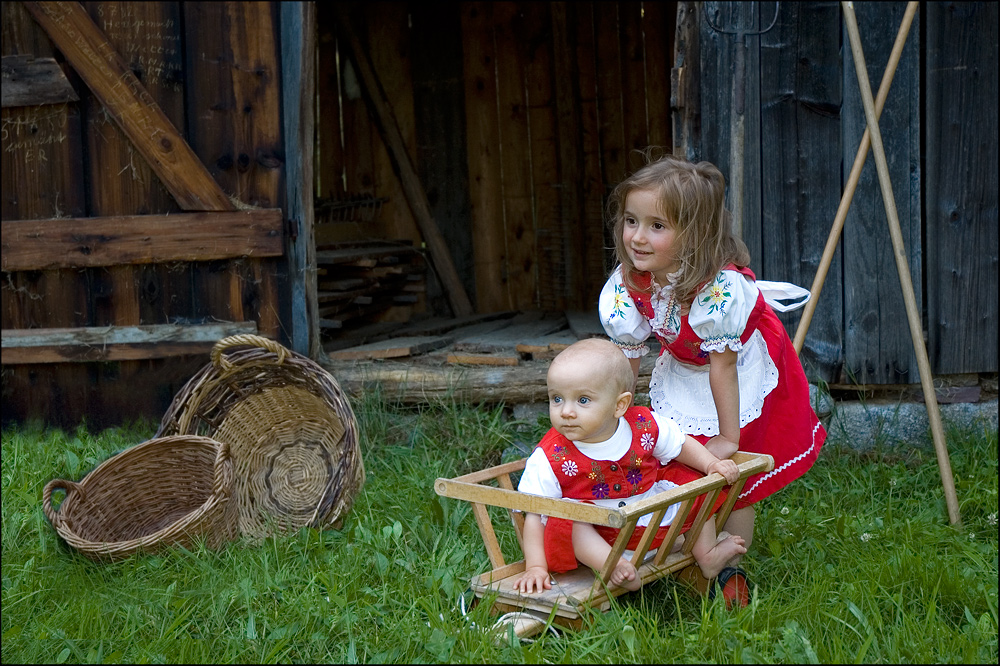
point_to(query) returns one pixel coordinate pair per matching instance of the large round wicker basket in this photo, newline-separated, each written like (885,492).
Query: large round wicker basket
(292,434)
(168,490)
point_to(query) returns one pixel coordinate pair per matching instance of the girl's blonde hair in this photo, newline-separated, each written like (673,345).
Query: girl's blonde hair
(692,197)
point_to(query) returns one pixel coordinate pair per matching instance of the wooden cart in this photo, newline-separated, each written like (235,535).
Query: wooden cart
(576,591)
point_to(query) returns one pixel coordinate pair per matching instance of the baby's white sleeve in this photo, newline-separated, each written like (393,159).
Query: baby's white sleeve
(622,321)
(671,439)
(538,477)
(721,310)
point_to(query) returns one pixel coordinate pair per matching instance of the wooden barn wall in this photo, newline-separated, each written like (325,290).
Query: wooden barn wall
(519,116)
(786,160)
(960,185)
(214,69)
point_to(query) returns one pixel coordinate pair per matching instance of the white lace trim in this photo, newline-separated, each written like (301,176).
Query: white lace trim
(683,393)
(722,343)
(785,466)
(632,350)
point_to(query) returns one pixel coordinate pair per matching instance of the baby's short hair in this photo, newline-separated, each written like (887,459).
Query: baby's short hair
(603,356)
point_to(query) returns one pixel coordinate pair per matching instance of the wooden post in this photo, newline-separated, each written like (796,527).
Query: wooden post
(298,38)
(852,180)
(912,315)
(385,119)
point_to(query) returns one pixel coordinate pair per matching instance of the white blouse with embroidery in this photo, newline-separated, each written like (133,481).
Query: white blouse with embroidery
(718,316)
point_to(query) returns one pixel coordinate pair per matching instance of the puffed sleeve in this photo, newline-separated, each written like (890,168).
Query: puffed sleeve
(622,321)
(720,311)
(538,477)
(670,441)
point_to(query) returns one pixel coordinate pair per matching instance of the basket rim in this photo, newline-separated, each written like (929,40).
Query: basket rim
(217,497)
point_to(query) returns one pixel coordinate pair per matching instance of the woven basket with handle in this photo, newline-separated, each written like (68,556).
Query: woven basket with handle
(291,433)
(168,490)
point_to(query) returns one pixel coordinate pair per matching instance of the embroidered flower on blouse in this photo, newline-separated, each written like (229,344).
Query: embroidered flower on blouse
(569,468)
(621,304)
(642,423)
(634,477)
(718,295)
(647,441)
(558,453)
(600,491)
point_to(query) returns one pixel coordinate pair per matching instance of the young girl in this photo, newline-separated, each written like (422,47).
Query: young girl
(727,373)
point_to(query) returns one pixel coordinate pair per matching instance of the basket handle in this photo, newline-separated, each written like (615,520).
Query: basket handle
(222,480)
(55,517)
(245,340)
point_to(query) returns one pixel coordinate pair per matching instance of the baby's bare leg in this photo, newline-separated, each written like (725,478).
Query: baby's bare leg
(714,554)
(592,550)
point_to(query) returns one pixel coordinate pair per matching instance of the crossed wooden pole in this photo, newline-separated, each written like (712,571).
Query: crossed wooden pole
(873,138)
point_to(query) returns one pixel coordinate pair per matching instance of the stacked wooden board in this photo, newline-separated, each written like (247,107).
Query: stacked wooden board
(363,282)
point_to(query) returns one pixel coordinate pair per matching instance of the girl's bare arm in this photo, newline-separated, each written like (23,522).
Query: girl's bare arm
(725,383)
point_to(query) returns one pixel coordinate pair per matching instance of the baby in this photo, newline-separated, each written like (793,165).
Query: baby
(602,450)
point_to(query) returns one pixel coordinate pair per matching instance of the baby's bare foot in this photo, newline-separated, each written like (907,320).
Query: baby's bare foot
(713,562)
(626,576)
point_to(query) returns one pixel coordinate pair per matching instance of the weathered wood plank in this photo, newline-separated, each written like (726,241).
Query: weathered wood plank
(594,232)
(392,348)
(139,239)
(439,109)
(483,140)
(388,44)
(543,154)
(568,131)
(30,81)
(658,22)
(877,348)
(129,104)
(507,338)
(960,171)
(512,34)
(491,359)
(114,343)
(635,123)
(800,166)
(614,151)
(685,96)
(330,163)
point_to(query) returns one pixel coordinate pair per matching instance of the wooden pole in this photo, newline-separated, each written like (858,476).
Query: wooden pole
(385,119)
(912,314)
(852,181)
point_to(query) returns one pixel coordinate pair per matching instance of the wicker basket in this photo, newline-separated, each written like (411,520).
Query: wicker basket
(291,432)
(169,490)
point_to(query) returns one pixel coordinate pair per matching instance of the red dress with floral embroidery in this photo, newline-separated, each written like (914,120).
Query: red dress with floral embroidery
(584,478)
(787,428)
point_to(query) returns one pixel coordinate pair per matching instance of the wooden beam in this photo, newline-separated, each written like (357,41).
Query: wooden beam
(389,128)
(87,49)
(31,81)
(115,343)
(298,75)
(139,239)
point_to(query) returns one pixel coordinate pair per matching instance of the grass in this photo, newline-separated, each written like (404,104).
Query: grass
(855,562)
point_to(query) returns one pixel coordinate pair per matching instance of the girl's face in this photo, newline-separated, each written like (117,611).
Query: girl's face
(648,235)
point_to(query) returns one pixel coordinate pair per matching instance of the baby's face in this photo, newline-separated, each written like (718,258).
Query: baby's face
(583,403)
